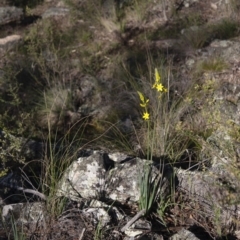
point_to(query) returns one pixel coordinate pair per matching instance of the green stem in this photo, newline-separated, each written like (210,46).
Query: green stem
(148,145)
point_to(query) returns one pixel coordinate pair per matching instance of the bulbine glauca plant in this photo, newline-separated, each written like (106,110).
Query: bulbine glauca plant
(149,185)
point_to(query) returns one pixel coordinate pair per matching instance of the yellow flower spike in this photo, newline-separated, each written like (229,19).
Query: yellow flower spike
(157,76)
(145,116)
(143,100)
(157,79)
(141,96)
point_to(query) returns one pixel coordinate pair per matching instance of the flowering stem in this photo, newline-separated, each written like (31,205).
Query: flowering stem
(148,145)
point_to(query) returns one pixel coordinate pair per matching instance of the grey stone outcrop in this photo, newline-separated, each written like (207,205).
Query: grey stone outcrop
(100,177)
(10,14)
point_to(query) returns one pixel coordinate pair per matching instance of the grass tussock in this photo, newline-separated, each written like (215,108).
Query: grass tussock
(57,109)
(196,37)
(211,65)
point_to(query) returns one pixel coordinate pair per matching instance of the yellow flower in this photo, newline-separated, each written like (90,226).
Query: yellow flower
(159,87)
(145,116)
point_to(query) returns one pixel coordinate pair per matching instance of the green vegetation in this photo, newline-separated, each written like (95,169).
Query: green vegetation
(60,155)
(149,190)
(17,234)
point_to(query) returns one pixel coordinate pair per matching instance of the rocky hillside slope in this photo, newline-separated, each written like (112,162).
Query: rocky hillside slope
(120,119)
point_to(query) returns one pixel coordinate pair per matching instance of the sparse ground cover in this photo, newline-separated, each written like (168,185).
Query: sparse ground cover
(106,77)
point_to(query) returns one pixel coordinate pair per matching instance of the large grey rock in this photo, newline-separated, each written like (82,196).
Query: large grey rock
(217,196)
(10,14)
(98,176)
(109,179)
(228,49)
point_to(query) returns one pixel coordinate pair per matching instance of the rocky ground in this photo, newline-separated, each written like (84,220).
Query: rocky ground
(71,70)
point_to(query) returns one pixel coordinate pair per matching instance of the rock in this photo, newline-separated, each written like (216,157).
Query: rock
(55,12)
(145,236)
(10,14)
(118,156)
(23,213)
(213,6)
(190,63)
(9,42)
(237,234)
(99,177)
(216,195)
(101,213)
(98,215)
(138,228)
(133,232)
(109,180)
(184,234)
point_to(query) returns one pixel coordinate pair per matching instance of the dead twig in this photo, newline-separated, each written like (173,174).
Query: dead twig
(134,219)
(82,233)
